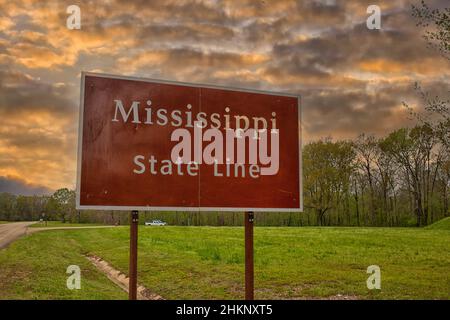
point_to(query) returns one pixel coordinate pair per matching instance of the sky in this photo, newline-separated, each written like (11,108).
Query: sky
(351,79)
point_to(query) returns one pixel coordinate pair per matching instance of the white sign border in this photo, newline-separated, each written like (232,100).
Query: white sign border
(193,209)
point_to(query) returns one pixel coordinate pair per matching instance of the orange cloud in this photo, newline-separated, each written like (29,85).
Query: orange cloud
(427,66)
(38,148)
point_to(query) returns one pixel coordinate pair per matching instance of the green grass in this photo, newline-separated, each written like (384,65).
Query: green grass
(54,224)
(443,224)
(208,263)
(3,222)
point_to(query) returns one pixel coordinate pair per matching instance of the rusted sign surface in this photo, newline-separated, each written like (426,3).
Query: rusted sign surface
(158,145)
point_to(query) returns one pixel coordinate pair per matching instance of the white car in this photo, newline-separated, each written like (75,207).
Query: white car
(155,223)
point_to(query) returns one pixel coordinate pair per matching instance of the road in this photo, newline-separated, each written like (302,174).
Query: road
(11,231)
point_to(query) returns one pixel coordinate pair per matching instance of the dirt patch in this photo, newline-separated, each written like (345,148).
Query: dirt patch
(286,292)
(342,297)
(121,279)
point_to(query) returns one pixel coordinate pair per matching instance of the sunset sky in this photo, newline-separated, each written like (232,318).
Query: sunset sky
(351,79)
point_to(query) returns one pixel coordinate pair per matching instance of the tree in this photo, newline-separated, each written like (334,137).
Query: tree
(437,35)
(444,181)
(433,131)
(367,151)
(327,169)
(414,150)
(7,206)
(63,201)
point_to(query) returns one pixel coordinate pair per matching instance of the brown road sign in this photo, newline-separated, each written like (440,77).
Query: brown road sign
(160,145)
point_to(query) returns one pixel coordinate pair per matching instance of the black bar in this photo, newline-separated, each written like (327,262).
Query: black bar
(249,272)
(132,286)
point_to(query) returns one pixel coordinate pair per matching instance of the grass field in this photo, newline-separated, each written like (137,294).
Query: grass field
(208,263)
(60,224)
(443,224)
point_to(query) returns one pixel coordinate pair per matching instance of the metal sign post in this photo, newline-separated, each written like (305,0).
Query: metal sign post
(132,286)
(249,274)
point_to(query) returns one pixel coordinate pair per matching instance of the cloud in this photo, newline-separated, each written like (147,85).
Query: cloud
(180,62)
(351,79)
(19,187)
(37,130)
